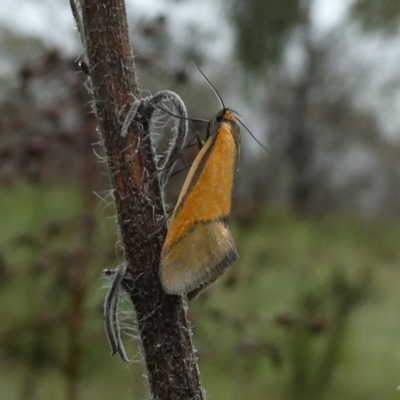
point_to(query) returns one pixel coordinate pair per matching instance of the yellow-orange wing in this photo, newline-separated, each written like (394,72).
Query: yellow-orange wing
(199,245)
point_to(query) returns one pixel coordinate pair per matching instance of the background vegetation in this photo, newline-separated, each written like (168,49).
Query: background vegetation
(310,310)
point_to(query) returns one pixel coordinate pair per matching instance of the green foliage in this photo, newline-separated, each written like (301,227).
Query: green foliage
(308,312)
(286,309)
(262,27)
(382,15)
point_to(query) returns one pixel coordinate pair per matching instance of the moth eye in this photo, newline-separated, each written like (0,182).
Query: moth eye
(220,116)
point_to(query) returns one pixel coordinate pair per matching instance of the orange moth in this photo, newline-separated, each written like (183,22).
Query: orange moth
(199,246)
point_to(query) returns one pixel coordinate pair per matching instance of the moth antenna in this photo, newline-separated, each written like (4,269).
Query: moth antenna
(178,116)
(212,86)
(235,112)
(251,134)
(224,108)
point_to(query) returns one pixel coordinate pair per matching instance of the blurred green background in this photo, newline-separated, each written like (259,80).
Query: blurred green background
(310,309)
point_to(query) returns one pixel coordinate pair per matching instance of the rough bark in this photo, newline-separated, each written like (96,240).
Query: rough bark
(163,327)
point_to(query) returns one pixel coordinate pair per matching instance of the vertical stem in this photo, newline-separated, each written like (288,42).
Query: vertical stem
(163,327)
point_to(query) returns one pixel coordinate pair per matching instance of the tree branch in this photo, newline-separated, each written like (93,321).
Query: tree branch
(164,330)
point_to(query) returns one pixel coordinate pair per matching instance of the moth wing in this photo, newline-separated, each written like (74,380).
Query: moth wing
(200,257)
(199,245)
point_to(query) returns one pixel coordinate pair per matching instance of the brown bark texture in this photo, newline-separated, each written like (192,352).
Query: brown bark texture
(165,335)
